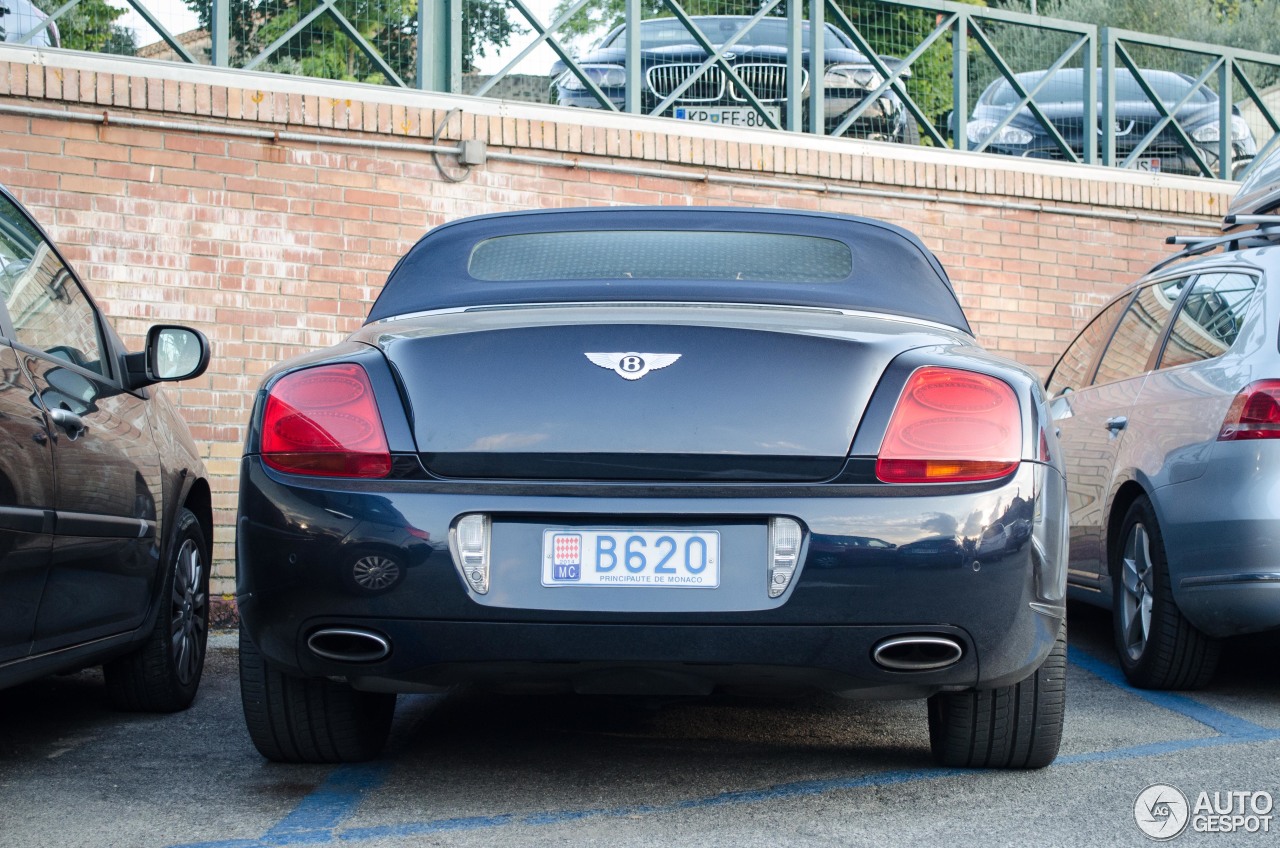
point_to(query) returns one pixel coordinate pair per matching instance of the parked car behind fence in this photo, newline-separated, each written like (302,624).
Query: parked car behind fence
(670,56)
(1195,110)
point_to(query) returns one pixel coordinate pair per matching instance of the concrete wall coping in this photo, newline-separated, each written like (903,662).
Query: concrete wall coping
(234,78)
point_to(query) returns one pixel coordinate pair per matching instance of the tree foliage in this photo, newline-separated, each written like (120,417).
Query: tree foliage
(896,31)
(1244,24)
(324,49)
(601,17)
(485,26)
(91,25)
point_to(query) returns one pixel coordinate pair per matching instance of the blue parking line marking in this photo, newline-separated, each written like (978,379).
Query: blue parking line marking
(335,800)
(1222,722)
(313,821)
(798,789)
(1157,749)
(318,817)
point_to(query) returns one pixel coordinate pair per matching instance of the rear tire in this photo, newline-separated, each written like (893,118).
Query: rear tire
(309,720)
(1158,647)
(163,673)
(1013,727)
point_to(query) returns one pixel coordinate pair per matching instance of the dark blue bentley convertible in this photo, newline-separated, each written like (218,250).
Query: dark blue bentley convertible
(655,450)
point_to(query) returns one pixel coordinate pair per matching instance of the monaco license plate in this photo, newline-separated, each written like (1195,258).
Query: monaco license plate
(668,559)
(730,116)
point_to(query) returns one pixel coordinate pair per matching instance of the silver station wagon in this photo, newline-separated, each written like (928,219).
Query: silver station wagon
(1168,405)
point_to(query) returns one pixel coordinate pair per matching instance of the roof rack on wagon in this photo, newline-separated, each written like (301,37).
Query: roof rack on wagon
(1266,229)
(1252,219)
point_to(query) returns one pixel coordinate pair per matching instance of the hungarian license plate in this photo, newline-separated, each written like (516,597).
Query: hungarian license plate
(670,559)
(730,116)
(1149,164)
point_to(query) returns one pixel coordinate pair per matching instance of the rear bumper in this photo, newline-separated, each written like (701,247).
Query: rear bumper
(298,538)
(1222,539)
(642,658)
(1232,604)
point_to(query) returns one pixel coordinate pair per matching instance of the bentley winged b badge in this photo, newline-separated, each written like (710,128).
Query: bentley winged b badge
(633,366)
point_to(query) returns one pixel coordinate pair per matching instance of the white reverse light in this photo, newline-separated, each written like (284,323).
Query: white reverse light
(470,543)
(784,553)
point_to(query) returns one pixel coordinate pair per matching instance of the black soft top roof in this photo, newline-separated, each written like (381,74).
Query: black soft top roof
(892,271)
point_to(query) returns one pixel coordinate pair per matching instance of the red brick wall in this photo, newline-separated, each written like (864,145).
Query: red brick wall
(273,248)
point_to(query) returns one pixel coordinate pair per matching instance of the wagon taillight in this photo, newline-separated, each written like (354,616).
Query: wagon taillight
(951,426)
(1254,414)
(324,421)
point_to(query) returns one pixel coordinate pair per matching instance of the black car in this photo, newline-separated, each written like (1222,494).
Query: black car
(1062,102)
(105,514)
(654,450)
(670,55)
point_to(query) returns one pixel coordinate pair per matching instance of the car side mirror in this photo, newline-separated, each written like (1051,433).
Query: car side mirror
(172,353)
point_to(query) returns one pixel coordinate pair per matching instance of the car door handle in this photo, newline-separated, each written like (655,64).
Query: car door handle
(70,422)
(1116,424)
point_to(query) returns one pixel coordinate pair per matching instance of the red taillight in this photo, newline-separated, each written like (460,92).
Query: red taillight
(951,426)
(1254,414)
(324,421)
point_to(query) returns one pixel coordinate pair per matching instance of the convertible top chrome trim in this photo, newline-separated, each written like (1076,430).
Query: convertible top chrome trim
(851,313)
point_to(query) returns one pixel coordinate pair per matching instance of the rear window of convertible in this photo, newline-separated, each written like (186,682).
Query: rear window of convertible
(661,255)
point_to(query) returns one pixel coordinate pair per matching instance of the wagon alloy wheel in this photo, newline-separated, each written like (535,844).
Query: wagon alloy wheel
(190,612)
(1135,605)
(163,673)
(1158,648)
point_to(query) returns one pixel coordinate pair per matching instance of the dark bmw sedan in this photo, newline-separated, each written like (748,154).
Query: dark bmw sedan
(106,520)
(671,58)
(655,451)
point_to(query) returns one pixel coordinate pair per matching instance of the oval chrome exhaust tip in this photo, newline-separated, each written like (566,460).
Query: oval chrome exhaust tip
(348,645)
(917,653)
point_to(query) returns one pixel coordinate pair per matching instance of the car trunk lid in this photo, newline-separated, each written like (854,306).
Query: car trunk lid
(643,401)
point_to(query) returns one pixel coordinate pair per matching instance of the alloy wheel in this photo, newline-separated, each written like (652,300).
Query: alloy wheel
(189,617)
(1139,592)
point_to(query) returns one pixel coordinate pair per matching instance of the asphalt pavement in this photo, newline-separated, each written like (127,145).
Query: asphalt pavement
(481,769)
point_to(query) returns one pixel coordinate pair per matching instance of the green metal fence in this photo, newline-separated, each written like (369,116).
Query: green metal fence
(1240,79)
(933,72)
